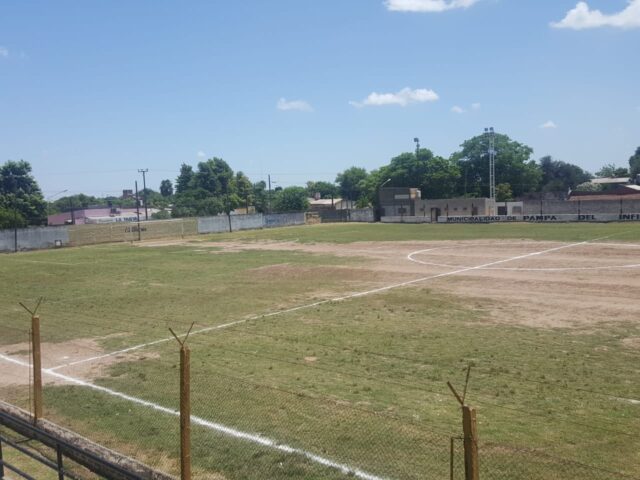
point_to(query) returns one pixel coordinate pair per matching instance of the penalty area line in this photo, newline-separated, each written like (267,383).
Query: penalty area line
(214,426)
(321,302)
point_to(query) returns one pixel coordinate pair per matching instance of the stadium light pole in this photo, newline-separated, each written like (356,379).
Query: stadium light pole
(417,140)
(491,134)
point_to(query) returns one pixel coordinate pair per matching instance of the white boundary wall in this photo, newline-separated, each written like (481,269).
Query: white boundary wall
(33,238)
(405,219)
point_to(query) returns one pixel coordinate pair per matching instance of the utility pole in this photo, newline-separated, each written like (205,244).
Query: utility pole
(269,199)
(138,211)
(143,171)
(491,134)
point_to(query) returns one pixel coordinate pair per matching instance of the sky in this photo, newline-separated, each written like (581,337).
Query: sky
(90,92)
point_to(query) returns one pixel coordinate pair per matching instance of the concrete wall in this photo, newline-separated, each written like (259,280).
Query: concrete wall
(33,238)
(361,215)
(246,222)
(454,207)
(218,224)
(128,232)
(555,207)
(406,219)
(283,219)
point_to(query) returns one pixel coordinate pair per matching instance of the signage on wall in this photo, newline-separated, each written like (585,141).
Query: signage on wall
(598,217)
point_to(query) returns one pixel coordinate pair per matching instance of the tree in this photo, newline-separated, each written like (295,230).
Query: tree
(325,189)
(350,183)
(558,176)
(185,179)
(215,176)
(589,187)
(503,192)
(610,170)
(260,196)
(436,177)
(290,199)
(244,190)
(166,188)
(20,193)
(634,164)
(513,166)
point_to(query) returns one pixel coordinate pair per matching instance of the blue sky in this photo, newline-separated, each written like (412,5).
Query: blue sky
(302,89)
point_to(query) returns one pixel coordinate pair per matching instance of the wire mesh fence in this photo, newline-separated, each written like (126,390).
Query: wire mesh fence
(502,462)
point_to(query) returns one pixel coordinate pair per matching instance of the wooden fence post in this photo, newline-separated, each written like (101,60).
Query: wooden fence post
(37,368)
(37,360)
(185,406)
(185,413)
(470,429)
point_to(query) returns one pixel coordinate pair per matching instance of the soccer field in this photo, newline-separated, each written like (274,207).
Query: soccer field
(323,351)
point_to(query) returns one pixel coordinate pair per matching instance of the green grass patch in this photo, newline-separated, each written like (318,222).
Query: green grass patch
(367,232)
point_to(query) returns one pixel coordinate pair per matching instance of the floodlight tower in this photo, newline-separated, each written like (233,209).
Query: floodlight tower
(491,135)
(417,140)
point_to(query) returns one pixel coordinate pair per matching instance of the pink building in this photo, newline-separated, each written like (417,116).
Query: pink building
(82,216)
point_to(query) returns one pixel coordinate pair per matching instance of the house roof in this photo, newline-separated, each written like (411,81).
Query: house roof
(324,201)
(610,180)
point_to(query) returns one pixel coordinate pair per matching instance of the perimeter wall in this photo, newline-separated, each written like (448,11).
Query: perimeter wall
(36,238)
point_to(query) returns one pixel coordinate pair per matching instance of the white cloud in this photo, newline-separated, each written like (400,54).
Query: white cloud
(549,124)
(4,52)
(201,154)
(299,105)
(403,98)
(476,106)
(582,17)
(427,5)
(457,109)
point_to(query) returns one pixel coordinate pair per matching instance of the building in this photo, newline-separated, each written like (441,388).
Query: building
(89,215)
(398,201)
(324,204)
(616,193)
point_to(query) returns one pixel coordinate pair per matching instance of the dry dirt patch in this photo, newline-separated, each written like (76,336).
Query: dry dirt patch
(63,353)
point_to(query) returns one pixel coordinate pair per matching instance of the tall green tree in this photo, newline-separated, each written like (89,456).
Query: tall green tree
(351,183)
(558,176)
(513,166)
(610,170)
(20,193)
(634,164)
(243,189)
(260,196)
(290,199)
(166,188)
(324,189)
(185,179)
(436,177)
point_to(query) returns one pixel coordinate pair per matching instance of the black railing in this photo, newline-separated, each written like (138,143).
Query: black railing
(103,467)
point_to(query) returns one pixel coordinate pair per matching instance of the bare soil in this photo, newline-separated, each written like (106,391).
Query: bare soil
(574,286)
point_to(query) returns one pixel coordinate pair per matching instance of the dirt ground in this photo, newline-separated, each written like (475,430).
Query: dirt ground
(61,354)
(567,285)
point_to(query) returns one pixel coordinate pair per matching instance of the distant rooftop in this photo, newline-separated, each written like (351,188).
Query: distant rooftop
(610,180)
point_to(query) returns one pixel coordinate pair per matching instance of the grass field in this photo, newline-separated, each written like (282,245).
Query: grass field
(360,382)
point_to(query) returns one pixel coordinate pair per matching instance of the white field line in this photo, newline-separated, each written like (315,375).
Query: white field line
(322,302)
(218,427)
(411,258)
